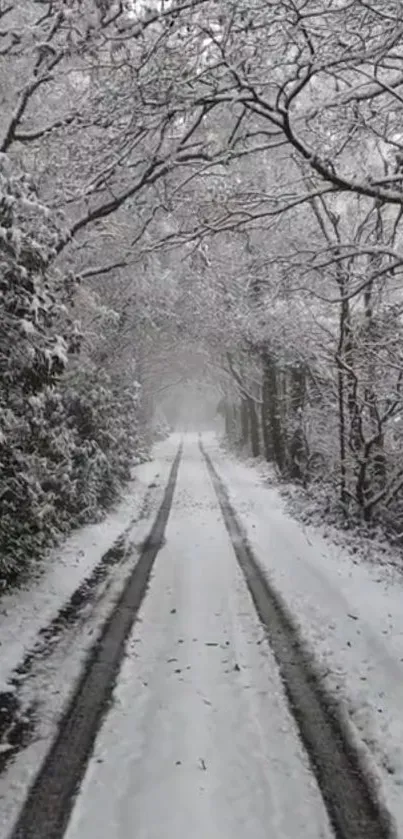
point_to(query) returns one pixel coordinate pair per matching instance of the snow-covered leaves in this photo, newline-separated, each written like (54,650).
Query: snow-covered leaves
(67,436)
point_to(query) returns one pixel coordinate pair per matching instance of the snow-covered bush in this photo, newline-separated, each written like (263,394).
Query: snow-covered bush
(68,431)
(33,355)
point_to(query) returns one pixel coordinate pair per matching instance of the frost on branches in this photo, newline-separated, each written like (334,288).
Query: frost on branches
(66,437)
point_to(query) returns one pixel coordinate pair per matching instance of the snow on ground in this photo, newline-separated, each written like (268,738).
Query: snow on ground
(48,687)
(350,613)
(199,741)
(25,611)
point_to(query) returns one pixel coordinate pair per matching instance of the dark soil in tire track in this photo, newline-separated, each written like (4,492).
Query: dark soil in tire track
(17,721)
(17,726)
(49,802)
(349,794)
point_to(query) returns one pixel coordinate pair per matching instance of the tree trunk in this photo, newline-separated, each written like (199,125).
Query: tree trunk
(298,447)
(350,425)
(254,427)
(353,407)
(228,420)
(266,430)
(298,388)
(378,459)
(244,422)
(274,410)
(341,409)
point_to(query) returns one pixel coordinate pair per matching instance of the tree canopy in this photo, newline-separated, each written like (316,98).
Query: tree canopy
(198,190)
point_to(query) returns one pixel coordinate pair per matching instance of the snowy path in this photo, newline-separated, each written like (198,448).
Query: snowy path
(349,612)
(23,613)
(42,653)
(199,741)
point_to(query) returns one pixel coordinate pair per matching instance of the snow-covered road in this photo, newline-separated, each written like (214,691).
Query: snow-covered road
(199,741)
(348,611)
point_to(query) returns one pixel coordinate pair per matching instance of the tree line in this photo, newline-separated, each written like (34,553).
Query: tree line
(223,175)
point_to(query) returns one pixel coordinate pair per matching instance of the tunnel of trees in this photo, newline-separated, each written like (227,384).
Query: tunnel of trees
(199,189)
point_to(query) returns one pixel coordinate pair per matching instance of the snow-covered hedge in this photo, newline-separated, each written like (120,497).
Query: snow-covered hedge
(68,431)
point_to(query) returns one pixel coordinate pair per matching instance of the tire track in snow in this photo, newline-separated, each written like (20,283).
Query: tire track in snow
(49,802)
(349,794)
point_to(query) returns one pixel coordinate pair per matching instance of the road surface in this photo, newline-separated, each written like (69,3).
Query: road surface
(199,741)
(214,725)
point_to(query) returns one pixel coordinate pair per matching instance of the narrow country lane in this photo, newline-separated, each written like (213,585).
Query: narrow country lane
(201,419)
(199,741)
